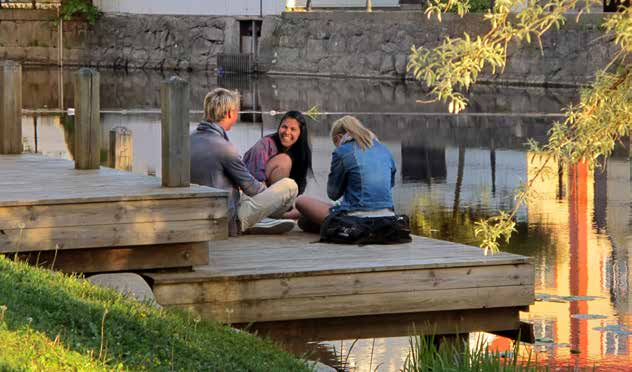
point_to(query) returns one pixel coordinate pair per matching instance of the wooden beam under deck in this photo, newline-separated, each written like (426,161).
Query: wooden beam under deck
(140,258)
(279,278)
(302,331)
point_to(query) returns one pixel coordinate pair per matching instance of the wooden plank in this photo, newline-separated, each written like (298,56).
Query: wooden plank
(215,272)
(135,211)
(371,253)
(10,107)
(23,176)
(363,304)
(349,266)
(87,119)
(176,149)
(322,259)
(108,196)
(163,256)
(219,291)
(387,325)
(112,235)
(256,248)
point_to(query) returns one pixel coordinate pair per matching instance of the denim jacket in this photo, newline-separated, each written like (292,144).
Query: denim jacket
(216,162)
(363,178)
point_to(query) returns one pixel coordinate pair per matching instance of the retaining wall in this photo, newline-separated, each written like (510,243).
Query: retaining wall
(335,43)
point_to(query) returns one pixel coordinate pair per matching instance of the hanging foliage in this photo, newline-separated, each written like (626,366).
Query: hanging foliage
(590,129)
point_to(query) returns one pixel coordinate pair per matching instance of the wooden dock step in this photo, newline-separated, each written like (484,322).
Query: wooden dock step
(272,278)
(104,219)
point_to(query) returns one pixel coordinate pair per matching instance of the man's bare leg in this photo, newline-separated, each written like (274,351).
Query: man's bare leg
(279,167)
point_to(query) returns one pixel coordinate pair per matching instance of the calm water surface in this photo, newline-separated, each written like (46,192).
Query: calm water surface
(452,171)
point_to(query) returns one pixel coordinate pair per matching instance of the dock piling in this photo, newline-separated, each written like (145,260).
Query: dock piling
(10,107)
(87,119)
(176,158)
(121,149)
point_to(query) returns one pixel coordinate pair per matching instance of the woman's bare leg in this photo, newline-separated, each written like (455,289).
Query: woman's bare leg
(278,167)
(313,209)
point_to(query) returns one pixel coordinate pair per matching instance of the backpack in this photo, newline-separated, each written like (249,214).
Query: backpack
(343,229)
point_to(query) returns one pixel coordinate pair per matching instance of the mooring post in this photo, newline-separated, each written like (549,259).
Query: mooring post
(121,149)
(10,107)
(87,119)
(176,152)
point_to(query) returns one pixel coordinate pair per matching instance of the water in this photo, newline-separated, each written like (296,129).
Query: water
(453,170)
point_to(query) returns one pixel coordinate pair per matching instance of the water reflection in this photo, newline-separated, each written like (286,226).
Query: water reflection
(453,170)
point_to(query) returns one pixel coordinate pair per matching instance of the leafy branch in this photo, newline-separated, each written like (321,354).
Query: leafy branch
(85,8)
(457,62)
(590,130)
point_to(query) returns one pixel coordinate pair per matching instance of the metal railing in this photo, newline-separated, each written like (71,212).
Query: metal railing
(238,62)
(28,4)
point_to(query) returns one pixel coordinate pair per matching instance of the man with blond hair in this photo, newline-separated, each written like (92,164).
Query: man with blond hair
(216,162)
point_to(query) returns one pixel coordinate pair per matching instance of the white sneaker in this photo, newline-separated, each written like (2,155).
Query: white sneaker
(271,226)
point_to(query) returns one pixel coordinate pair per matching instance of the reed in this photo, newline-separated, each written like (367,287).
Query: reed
(427,355)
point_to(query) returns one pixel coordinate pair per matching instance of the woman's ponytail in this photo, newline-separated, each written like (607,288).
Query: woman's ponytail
(357,131)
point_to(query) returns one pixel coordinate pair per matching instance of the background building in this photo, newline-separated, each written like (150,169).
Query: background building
(227,7)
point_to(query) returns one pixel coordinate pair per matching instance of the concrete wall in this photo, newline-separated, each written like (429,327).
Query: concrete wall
(334,43)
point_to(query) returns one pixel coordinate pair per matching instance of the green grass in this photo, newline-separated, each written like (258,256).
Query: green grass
(50,321)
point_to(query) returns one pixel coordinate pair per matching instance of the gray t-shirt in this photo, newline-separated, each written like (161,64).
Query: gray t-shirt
(216,162)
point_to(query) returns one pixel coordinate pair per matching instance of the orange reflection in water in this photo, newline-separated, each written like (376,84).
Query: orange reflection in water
(578,241)
(581,265)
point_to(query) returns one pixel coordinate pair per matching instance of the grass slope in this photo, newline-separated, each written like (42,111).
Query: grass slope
(50,321)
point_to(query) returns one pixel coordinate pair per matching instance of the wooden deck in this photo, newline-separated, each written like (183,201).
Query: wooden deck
(278,278)
(97,220)
(108,220)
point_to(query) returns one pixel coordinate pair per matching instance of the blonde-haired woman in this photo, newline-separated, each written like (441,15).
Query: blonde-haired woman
(362,173)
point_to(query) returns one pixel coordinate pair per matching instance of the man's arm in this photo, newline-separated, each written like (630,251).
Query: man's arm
(239,174)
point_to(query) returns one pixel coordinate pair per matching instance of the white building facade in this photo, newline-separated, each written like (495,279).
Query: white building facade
(226,7)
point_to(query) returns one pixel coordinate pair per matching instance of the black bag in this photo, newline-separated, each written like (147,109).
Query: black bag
(343,229)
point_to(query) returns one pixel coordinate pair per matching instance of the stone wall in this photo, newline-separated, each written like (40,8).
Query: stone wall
(318,43)
(117,40)
(377,44)
(27,35)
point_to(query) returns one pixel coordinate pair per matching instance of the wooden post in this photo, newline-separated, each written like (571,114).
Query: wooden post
(121,149)
(176,152)
(87,119)
(10,108)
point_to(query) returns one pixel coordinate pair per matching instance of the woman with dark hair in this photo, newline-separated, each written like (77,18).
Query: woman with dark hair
(285,153)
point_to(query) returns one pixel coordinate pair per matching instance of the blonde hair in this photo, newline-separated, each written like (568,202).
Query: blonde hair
(218,103)
(357,131)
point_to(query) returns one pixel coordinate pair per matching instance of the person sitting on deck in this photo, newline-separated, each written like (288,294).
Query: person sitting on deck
(283,154)
(362,173)
(216,162)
